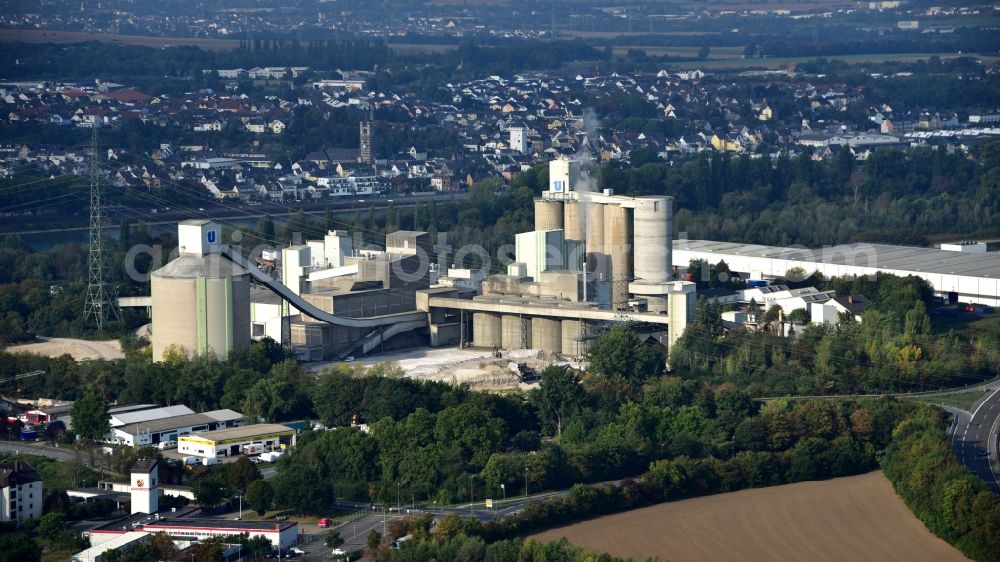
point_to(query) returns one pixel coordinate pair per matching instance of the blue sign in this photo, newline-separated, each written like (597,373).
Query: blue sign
(212,236)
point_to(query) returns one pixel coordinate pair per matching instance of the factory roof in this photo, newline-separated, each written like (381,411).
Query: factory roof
(188,266)
(244,432)
(143,416)
(881,256)
(264,525)
(180,422)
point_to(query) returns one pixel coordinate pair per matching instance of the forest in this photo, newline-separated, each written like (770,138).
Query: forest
(894,347)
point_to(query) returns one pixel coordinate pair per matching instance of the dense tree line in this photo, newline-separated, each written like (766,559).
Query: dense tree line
(893,348)
(799,200)
(953,503)
(428,442)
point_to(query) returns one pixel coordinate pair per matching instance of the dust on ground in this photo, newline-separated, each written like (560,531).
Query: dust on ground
(858,518)
(476,367)
(78,349)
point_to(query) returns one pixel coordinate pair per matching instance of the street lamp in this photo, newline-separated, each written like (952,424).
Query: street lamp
(525,482)
(397,497)
(471,484)
(504,488)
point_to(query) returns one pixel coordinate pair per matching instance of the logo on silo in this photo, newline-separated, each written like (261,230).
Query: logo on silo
(557,185)
(212,236)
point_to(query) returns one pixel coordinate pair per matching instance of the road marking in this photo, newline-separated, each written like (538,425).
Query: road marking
(984,401)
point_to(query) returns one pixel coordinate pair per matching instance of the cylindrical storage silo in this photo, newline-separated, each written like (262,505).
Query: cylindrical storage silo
(652,238)
(515,332)
(201,304)
(618,240)
(573,221)
(598,268)
(546,334)
(548,214)
(574,333)
(486,330)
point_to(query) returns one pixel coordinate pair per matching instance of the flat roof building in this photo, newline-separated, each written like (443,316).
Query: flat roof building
(956,276)
(230,441)
(147,433)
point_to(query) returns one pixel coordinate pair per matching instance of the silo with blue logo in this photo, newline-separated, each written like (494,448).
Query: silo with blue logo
(201,300)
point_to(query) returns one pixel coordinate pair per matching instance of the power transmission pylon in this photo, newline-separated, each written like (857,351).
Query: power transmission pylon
(101,303)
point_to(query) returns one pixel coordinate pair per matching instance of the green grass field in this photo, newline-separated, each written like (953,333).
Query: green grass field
(960,400)
(941,324)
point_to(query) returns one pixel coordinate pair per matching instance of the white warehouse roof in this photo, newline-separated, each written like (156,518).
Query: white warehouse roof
(974,277)
(143,416)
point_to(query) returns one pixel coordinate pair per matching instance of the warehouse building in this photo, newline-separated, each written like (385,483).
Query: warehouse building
(151,433)
(955,276)
(230,441)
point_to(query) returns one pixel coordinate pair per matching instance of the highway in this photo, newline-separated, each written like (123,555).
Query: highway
(973,433)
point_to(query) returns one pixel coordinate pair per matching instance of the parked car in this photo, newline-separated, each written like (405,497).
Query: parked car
(191,461)
(323,523)
(296,550)
(339,552)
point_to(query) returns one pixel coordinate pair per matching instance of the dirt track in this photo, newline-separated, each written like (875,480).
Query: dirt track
(78,349)
(857,518)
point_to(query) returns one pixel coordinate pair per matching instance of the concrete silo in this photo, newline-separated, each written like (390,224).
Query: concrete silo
(548,214)
(546,333)
(574,220)
(201,301)
(486,330)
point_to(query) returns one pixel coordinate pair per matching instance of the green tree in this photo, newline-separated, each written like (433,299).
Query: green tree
(620,354)
(558,397)
(210,490)
(18,547)
(260,496)
(242,473)
(90,417)
(51,526)
(373,541)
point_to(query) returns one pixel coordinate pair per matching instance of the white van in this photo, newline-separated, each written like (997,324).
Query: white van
(164,445)
(209,461)
(191,461)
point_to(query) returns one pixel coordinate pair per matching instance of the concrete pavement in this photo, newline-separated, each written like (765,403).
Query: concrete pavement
(20,447)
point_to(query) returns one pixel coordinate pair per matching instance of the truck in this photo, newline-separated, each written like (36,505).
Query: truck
(251,449)
(271,456)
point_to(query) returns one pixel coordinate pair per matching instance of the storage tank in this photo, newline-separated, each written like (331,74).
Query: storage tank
(652,238)
(548,214)
(618,240)
(573,332)
(486,330)
(515,332)
(546,334)
(598,268)
(573,220)
(201,301)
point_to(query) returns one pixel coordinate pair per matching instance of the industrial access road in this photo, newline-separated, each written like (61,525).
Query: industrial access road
(974,437)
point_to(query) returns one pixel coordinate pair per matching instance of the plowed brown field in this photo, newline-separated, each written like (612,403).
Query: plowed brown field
(857,518)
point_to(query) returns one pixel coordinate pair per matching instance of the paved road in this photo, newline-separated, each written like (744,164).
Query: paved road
(62,454)
(975,432)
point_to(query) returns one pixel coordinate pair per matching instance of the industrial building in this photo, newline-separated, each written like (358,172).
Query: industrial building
(959,275)
(152,432)
(230,441)
(201,301)
(592,260)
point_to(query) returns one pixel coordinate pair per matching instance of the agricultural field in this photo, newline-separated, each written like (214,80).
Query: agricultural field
(57,36)
(858,518)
